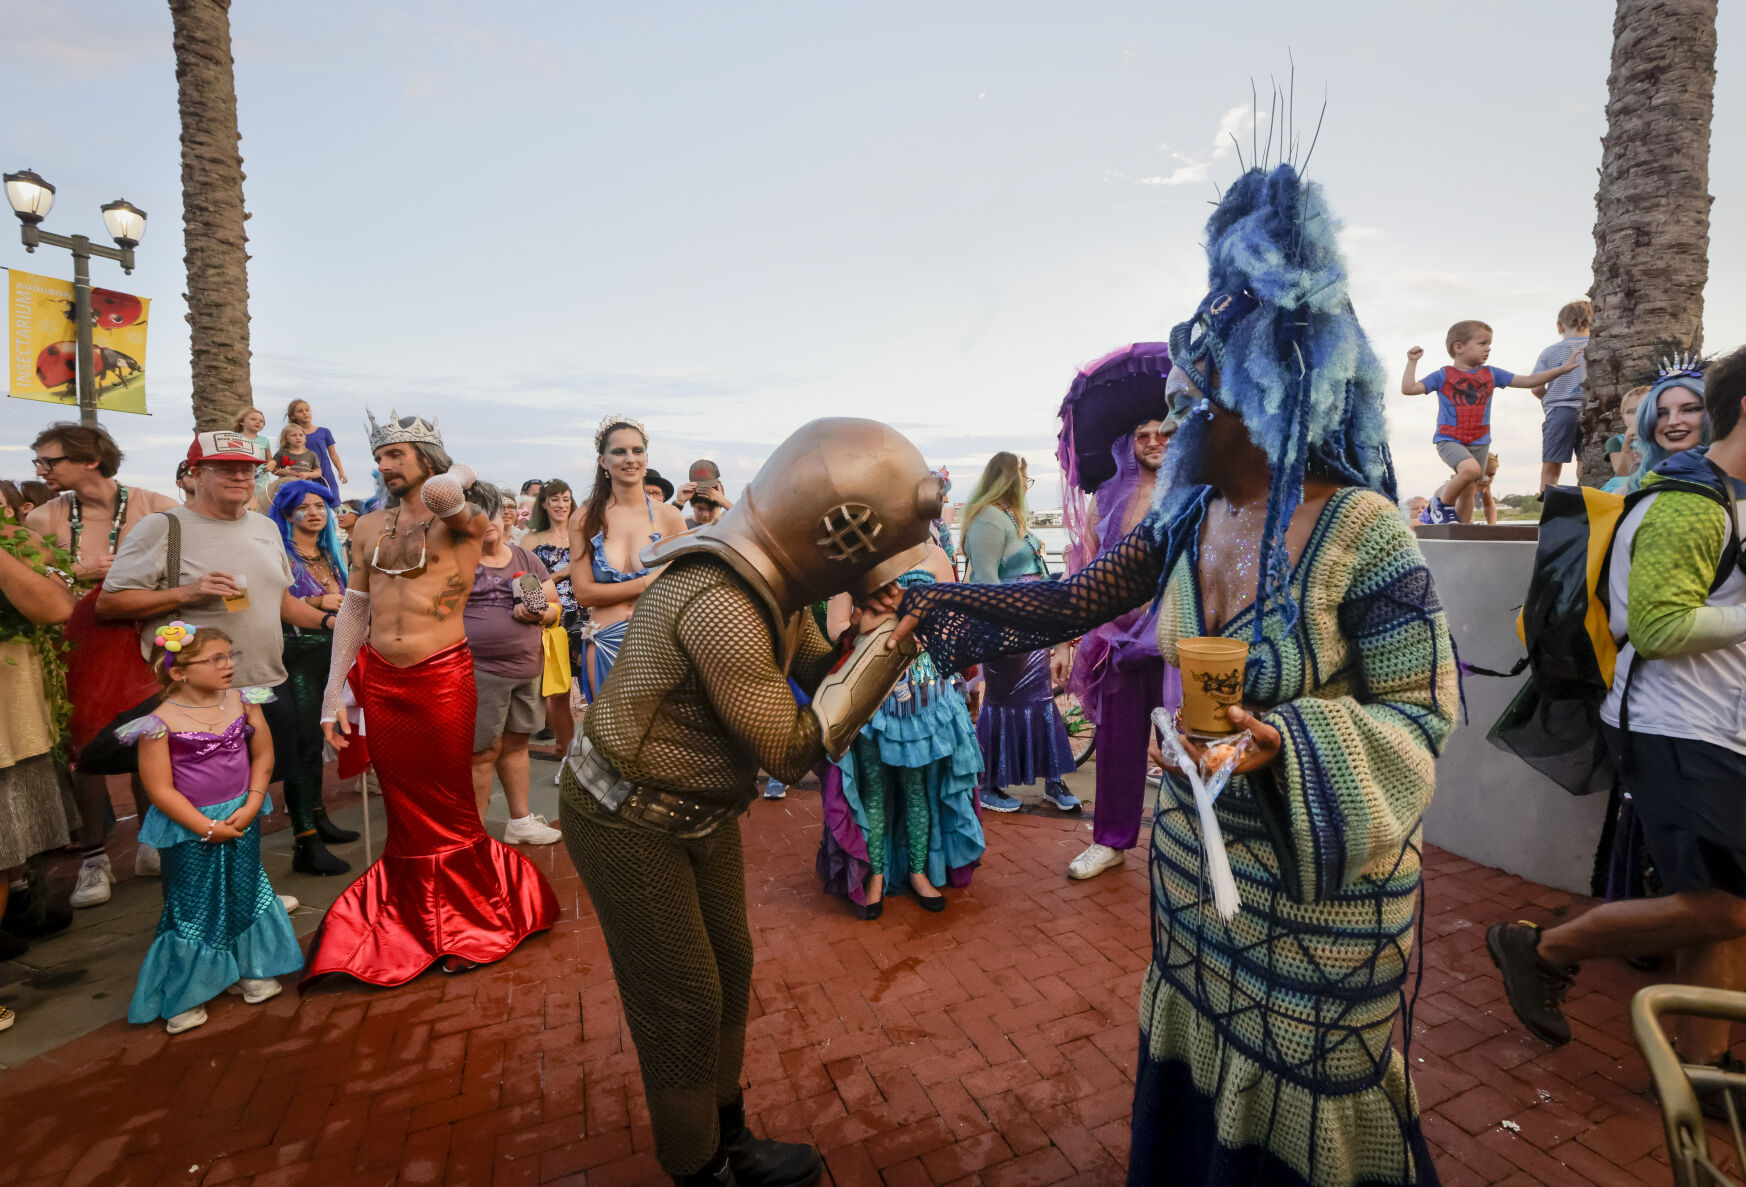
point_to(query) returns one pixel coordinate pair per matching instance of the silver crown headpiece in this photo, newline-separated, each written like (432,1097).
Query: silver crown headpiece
(412,430)
(1685,365)
(611,421)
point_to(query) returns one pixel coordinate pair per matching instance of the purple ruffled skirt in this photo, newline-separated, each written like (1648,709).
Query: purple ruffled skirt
(1023,736)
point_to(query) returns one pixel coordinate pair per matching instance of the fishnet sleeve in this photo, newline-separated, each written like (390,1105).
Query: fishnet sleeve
(963,624)
(812,655)
(728,638)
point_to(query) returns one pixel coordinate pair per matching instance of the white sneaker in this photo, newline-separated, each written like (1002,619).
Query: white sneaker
(254,990)
(1095,861)
(289,902)
(534,830)
(186,1020)
(95,879)
(146,863)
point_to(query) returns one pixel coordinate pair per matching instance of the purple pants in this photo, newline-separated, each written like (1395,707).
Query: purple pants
(1125,704)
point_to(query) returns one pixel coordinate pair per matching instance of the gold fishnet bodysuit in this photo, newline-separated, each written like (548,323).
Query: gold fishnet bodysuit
(696,704)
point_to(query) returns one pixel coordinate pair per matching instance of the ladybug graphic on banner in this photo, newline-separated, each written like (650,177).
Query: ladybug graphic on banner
(42,352)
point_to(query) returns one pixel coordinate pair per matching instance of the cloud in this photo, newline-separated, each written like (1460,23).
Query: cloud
(1187,169)
(1238,123)
(1181,175)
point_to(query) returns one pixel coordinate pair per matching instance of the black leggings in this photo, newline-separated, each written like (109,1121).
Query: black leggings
(674,916)
(295,721)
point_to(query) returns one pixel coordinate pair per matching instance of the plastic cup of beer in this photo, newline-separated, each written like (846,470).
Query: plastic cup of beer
(240,600)
(1212,681)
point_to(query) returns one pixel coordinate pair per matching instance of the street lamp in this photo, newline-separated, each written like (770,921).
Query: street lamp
(32,198)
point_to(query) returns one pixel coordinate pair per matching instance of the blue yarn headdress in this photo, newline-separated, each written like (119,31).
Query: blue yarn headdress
(1278,333)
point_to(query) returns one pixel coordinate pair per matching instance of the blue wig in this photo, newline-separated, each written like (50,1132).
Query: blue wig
(286,500)
(1649,412)
(1276,343)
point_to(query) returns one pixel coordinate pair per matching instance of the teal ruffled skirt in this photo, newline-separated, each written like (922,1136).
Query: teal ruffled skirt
(222,920)
(937,737)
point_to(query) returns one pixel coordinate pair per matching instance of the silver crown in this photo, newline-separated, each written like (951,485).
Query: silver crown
(411,430)
(1685,365)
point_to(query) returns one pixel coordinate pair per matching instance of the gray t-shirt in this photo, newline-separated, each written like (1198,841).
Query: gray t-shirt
(250,548)
(1567,389)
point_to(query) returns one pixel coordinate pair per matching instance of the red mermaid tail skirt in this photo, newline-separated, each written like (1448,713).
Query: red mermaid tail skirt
(443,886)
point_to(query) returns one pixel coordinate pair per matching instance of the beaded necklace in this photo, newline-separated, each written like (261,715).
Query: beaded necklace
(76,521)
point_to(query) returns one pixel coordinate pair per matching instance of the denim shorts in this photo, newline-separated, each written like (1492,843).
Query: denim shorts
(1560,433)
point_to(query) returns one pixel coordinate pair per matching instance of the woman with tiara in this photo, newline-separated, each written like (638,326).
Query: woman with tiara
(1266,1034)
(615,525)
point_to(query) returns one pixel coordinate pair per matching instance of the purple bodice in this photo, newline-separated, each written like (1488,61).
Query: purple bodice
(211,768)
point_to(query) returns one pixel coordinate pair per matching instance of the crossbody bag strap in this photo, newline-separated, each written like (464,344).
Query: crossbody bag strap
(172,550)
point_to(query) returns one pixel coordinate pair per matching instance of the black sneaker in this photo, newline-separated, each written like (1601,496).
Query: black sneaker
(1535,986)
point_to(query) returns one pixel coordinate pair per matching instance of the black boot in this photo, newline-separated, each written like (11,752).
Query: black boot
(330,832)
(760,1162)
(310,856)
(716,1174)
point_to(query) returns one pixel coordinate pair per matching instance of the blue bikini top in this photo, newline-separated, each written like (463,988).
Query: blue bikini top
(604,573)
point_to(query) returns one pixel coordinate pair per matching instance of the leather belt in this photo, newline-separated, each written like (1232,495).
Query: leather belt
(648,806)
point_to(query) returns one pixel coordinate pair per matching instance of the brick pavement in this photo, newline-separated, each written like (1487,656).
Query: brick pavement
(994,1043)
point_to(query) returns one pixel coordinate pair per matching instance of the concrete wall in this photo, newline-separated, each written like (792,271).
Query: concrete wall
(1490,806)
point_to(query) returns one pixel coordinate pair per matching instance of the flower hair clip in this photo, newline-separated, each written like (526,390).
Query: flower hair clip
(173,636)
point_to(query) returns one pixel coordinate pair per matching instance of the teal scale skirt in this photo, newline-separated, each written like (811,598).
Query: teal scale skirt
(221,922)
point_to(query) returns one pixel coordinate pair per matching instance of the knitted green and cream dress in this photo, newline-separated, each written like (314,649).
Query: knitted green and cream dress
(1265,1053)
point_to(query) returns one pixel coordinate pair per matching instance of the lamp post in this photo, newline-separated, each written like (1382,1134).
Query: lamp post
(32,198)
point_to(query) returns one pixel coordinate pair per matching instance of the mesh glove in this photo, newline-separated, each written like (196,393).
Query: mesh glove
(351,626)
(445,494)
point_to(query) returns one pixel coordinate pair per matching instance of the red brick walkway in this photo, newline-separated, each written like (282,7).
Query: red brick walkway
(993,1043)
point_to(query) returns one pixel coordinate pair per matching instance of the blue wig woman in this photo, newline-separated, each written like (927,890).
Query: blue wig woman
(1671,419)
(304,512)
(1265,1035)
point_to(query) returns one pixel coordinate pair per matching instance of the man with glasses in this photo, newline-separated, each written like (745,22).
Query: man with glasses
(232,573)
(90,515)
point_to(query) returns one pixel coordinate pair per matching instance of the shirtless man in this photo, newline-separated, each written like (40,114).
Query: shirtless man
(1118,675)
(90,515)
(443,889)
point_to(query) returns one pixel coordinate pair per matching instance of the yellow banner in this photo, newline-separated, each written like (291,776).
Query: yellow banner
(41,343)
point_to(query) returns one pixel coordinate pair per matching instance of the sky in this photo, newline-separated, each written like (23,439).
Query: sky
(726,220)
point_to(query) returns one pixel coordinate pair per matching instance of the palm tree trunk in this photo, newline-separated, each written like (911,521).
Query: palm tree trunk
(216,251)
(1652,220)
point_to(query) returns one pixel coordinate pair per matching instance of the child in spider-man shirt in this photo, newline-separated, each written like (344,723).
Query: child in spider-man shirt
(1464,390)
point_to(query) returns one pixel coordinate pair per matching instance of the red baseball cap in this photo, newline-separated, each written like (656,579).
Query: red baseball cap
(225,446)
